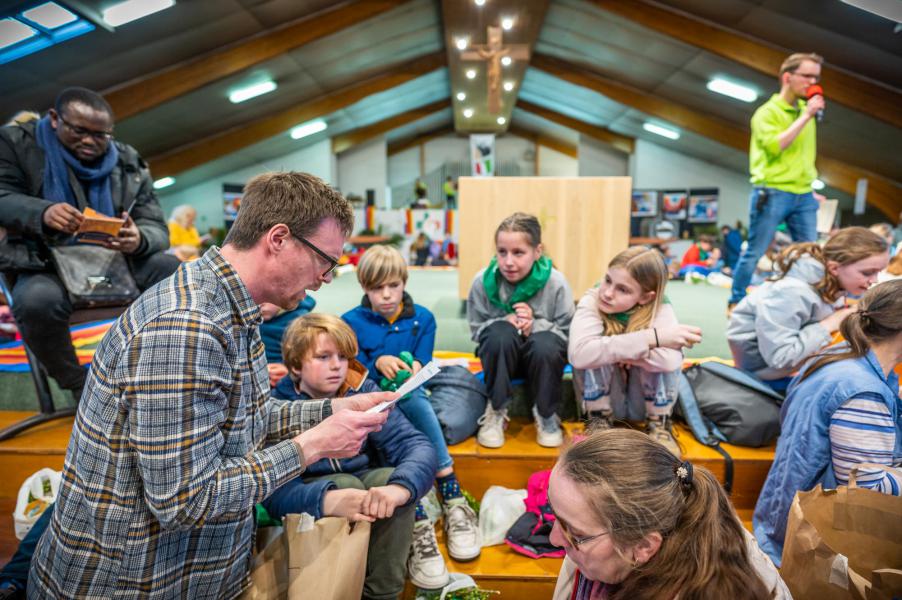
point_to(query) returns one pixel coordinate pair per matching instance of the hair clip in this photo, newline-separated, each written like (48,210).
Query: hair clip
(684,473)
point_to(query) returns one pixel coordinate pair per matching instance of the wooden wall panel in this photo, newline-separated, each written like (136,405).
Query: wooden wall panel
(585,222)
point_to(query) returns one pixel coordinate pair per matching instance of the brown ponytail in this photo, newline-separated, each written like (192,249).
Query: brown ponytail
(849,245)
(635,488)
(878,318)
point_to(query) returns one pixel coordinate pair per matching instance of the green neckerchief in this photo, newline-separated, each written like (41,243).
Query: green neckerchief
(702,254)
(624,317)
(525,289)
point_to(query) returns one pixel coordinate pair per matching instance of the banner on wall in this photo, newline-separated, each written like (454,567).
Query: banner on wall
(482,154)
(703,205)
(674,203)
(231,202)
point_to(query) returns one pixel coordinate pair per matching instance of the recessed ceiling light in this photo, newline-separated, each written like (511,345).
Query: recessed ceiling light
(479,2)
(461,43)
(163,182)
(507,23)
(508,86)
(733,90)
(252,91)
(501,120)
(471,73)
(817,184)
(506,60)
(13,32)
(308,129)
(50,15)
(468,112)
(131,10)
(461,96)
(671,134)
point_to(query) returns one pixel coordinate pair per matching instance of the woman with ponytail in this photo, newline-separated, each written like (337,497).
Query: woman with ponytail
(842,413)
(639,524)
(785,321)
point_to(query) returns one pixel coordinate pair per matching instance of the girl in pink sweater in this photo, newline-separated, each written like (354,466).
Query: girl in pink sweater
(626,345)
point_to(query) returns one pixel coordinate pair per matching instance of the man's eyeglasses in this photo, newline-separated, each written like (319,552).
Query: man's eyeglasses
(100,136)
(332,262)
(809,76)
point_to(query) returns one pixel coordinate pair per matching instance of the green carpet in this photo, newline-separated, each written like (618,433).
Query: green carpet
(701,305)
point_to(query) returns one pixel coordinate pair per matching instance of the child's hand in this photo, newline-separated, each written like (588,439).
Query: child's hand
(276,372)
(416,367)
(347,503)
(381,502)
(677,336)
(523,311)
(390,365)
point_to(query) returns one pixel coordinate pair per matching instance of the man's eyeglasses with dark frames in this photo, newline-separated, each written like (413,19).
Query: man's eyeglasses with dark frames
(100,136)
(333,262)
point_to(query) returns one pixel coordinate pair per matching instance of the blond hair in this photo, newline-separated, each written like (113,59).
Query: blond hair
(180,214)
(299,339)
(380,265)
(794,61)
(632,485)
(299,200)
(648,269)
(848,246)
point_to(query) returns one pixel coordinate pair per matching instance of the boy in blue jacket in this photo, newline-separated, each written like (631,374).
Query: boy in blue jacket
(383,483)
(387,323)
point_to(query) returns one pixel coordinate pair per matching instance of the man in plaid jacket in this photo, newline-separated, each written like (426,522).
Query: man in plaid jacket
(176,437)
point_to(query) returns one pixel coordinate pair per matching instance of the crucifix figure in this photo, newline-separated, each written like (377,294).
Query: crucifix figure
(492,53)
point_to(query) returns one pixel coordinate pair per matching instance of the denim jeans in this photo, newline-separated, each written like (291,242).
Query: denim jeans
(420,413)
(799,211)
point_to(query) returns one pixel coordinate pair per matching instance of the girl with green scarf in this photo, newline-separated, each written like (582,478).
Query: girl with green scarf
(519,310)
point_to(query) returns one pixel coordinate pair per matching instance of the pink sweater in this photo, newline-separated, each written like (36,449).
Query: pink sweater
(589,348)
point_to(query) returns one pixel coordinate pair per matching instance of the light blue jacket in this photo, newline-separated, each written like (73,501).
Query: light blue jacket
(803,457)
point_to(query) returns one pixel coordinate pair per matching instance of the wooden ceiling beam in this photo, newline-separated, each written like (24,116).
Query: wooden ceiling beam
(226,142)
(624,143)
(350,139)
(542,140)
(883,193)
(402,145)
(856,92)
(151,90)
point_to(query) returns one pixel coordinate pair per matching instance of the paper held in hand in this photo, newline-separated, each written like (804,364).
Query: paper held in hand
(428,371)
(97,228)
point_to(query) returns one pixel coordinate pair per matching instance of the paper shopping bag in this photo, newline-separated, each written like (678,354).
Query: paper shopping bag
(269,567)
(326,557)
(844,543)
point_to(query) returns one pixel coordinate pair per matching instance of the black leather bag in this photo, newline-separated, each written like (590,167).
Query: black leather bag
(94,276)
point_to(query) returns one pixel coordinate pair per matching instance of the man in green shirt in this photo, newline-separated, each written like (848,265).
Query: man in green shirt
(781,160)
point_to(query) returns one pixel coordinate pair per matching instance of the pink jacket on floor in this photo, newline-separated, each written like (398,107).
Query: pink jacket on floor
(589,348)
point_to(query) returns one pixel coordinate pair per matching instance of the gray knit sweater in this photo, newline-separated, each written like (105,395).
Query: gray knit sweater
(552,306)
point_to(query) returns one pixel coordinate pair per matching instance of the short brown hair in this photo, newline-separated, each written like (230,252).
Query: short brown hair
(522,223)
(380,265)
(794,61)
(299,340)
(299,200)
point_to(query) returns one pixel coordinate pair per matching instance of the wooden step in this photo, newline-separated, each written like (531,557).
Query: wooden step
(511,465)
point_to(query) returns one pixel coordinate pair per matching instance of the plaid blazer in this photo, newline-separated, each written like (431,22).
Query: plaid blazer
(175,440)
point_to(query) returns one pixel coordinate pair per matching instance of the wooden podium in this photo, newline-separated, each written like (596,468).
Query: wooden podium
(585,222)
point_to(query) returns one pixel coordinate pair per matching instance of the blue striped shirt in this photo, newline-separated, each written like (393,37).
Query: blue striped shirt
(862,432)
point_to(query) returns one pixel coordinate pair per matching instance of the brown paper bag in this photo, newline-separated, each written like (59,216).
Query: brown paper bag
(326,558)
(269,567)
(844,543)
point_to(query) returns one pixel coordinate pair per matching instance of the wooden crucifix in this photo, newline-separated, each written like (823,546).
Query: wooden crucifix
(492,52)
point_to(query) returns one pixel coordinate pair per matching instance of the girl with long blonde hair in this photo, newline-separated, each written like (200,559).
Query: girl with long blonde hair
(627,345)
(785,321)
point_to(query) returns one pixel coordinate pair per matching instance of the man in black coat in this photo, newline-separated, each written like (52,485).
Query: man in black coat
(50,171)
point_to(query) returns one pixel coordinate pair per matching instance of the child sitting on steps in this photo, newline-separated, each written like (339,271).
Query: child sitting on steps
(626,338)
(388,324)
(383,483)
(519,309)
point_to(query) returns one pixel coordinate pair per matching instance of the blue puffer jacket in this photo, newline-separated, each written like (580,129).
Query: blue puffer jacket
(399,444)
(803,458)
(413,331)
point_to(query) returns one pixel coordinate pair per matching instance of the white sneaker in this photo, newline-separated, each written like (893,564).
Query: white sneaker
(492,424)
(426,566)
(462,530)
(548,431)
